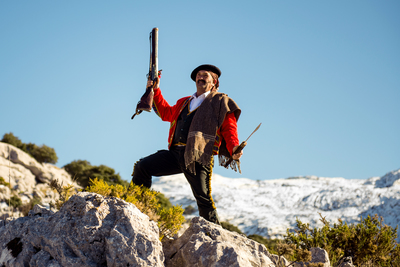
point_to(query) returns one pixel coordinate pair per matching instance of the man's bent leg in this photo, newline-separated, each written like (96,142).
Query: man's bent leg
(163,162)
(201,188)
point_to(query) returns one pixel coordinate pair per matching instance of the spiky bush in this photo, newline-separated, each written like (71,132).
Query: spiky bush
(163,201)
(169,220)
(82,171)
(64,191)
(368,242)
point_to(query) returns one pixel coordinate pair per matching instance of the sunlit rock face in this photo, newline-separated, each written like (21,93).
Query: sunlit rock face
(89,230)
(27,179)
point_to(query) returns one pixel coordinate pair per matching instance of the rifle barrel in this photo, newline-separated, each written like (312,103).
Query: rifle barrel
(154,54)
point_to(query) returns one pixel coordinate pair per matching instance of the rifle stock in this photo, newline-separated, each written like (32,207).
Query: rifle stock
(146,101)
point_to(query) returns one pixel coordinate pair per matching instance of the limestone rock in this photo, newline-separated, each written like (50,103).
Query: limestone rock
(89,230)
(207,244)
(43,172)
(318,255)
(27,179)
(40,211)
(283,261)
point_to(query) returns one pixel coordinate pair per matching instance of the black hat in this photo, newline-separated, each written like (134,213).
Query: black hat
(206,67)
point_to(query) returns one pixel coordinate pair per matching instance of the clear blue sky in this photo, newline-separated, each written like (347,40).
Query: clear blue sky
(322,76)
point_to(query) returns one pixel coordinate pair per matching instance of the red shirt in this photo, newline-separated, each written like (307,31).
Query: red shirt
(227,131)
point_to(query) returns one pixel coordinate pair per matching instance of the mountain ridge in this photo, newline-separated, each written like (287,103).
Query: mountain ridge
(269,207)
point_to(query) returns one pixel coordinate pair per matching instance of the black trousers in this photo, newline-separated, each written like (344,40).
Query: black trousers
(168,162)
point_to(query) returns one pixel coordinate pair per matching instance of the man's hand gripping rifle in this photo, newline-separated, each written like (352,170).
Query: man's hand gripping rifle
(146,101)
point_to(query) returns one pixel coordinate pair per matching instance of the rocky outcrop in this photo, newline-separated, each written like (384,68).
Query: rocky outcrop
(207,244)
(27,178)
(92,230)
(42,172)
(89,230)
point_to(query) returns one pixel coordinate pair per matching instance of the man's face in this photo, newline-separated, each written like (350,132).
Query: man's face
(204,81)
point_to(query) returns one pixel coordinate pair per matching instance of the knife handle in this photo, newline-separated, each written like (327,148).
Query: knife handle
(240,148)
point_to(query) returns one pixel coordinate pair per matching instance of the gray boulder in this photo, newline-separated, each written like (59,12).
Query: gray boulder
(207,244)
(89,230)
(318,255)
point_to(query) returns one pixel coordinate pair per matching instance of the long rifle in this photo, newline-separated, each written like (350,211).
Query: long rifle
(146,101)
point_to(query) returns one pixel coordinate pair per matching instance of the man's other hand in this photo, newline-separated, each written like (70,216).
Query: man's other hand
(238,155)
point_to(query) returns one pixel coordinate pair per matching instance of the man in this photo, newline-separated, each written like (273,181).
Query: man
(202,125)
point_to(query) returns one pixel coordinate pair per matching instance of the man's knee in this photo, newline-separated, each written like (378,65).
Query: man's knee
(140,175)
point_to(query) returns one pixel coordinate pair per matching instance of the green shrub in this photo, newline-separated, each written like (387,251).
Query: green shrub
(368,242)
(42,154)
(231,227)
(15,201)
(107,174)
(189,210)
(146,200)
(163,201)
(294,254)
(64,192)
(82,171)
(77,166)
(3,182)
(9,138)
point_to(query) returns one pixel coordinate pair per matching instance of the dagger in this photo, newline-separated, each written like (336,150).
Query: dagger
(240,147)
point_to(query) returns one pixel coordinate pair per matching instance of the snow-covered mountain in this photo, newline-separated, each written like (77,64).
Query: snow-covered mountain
(269,207)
